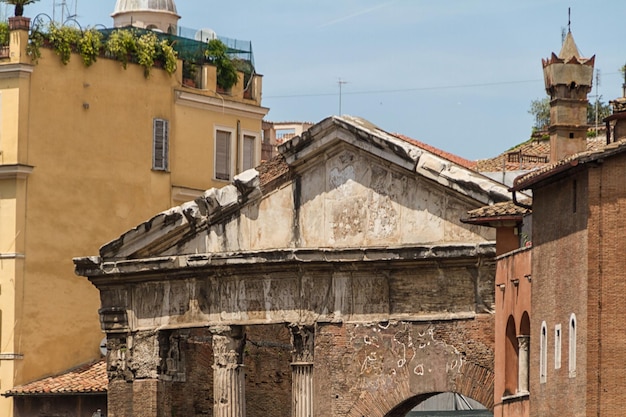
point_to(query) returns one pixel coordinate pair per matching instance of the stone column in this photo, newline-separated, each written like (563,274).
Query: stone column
(523,343)
(302,340)
(228,373)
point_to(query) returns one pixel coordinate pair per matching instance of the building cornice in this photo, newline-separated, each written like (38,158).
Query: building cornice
(10,70)
(15,171)
(220,105)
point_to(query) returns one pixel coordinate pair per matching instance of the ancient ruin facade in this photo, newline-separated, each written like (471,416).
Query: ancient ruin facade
(337,280)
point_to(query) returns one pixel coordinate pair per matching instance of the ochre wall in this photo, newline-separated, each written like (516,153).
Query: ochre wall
(88,134)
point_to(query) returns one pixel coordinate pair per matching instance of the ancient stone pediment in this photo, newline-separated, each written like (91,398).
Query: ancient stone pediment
(342,184)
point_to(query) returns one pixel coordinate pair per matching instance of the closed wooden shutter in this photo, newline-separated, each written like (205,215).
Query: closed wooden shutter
(222,155)
(160,145)
(248,152)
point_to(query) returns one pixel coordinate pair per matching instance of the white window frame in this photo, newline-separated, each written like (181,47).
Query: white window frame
(160,157)
(232,152)
(572,346)
(256,150)
(557,346)
(543,353)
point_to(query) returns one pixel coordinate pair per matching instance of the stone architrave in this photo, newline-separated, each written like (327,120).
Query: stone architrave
(523,343)
(228,373)
(303,342)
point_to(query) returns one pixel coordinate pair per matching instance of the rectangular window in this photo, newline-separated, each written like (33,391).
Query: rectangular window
(557,346)
(572,346)
(222,155)
(543,354)
(160,145)
(249,147)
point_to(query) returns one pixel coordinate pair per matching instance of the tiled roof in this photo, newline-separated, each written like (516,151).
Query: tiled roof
(90,378)
(443,154)
(533,154)
(506,209)
(526,181)
(272,170)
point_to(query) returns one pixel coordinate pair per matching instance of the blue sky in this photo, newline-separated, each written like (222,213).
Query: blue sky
(457,74)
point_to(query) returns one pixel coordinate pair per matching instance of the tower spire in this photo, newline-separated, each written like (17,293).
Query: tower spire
(569,20)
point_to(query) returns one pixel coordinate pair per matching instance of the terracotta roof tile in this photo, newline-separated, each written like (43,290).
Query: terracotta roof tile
(525,181)
(533,154)
(446,155)
(86,379)
(498,210)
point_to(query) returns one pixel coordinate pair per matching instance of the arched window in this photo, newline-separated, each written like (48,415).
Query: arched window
(511,361)
(557,346)
(523,344)
(543,354)
(572,346)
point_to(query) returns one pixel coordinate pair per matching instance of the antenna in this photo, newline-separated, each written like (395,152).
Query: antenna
(65,10)
(341,83)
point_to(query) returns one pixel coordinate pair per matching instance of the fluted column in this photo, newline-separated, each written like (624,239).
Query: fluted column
(228,373)
(523,343)
(303,342)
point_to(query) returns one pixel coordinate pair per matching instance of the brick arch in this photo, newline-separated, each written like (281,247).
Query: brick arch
(472,381)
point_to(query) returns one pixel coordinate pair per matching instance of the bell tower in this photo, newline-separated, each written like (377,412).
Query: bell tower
(568,79)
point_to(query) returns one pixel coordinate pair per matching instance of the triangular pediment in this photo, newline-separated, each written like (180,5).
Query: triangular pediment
(342,184)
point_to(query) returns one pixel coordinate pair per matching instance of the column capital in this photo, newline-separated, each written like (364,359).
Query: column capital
(303,343)
(228,346)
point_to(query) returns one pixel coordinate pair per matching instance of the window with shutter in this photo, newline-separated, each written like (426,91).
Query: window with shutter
(222,155)
(160,145)
(249,143)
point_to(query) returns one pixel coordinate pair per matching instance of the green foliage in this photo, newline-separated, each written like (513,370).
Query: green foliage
(89,46)
(63,39)
(146,51)
(216,54)
(4,34)
(604,111)
(121,45)
(35,42)
(540,109)
(19,5)
(246,67)
(166,52)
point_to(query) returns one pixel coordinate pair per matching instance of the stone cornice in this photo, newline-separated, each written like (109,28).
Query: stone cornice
(220,105)
(96,267)
(15,171)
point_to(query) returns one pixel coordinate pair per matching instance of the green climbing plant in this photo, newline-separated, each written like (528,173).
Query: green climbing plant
(4,34)
(35,42)
(89,46)
(146,51)
(169,56)
(121,44)
(63,39)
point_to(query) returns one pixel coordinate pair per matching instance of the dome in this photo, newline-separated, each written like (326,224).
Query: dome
(159,15)
(126,6)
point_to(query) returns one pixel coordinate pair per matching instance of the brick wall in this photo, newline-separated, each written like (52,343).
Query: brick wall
(606,344)
(559,288)
(370,370)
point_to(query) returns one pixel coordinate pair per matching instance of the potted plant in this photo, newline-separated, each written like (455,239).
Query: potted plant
(19,5)
(19,21)
(216,54)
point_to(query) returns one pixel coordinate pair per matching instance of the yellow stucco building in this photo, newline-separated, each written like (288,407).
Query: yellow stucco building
(85,153)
